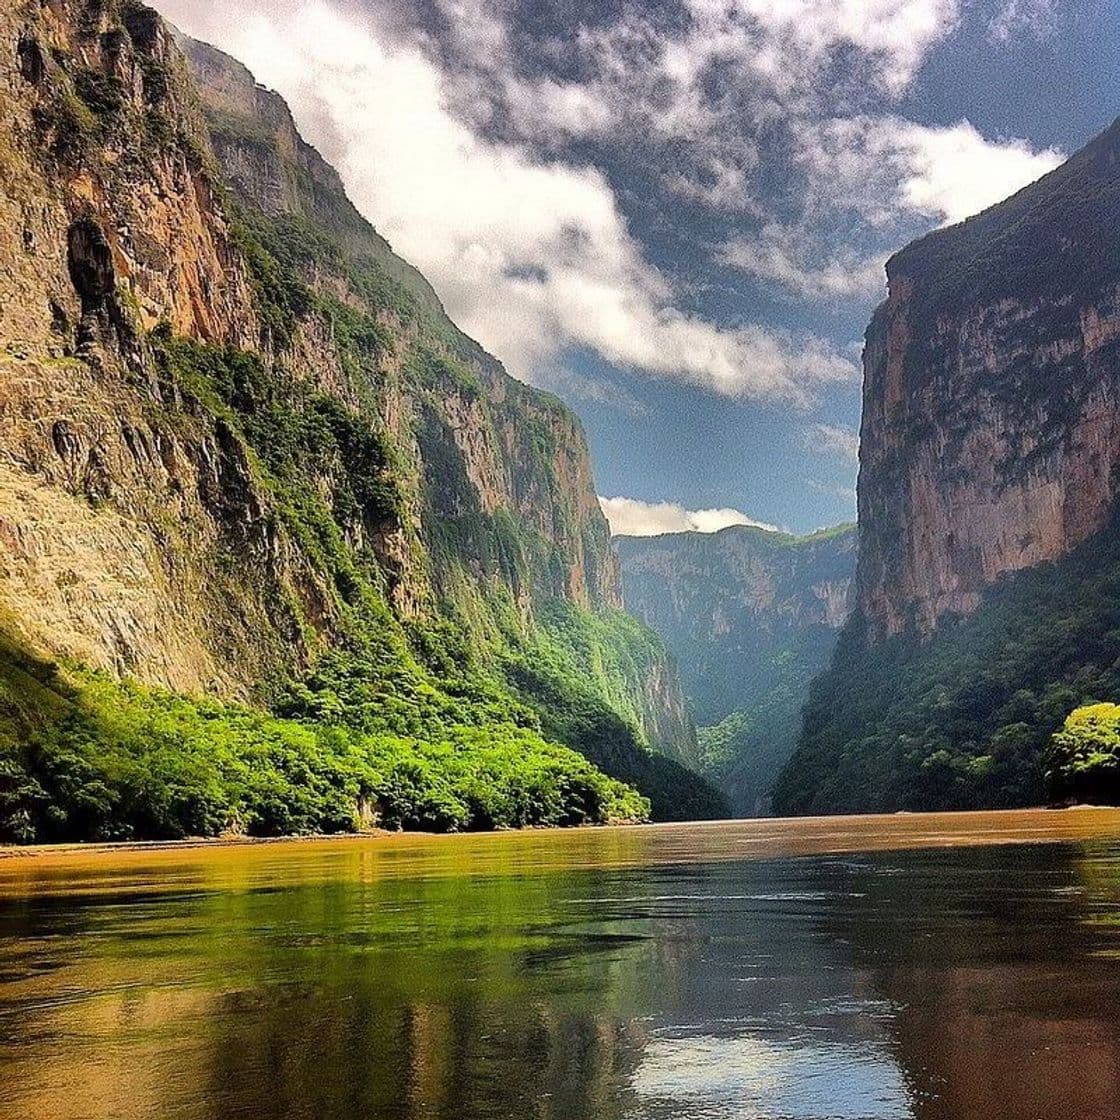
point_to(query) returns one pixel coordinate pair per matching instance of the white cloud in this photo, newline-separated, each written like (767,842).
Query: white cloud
(955,172)
(790,256)
(1038,18)
(886,166)
(831,440)
(895,35)
(629,517)
(530,257)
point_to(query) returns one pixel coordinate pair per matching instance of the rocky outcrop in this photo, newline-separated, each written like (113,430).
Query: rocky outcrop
(991,425)
(222,395)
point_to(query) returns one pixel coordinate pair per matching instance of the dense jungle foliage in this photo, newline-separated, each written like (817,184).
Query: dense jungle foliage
(85,757)
(1083,763)
(964,719)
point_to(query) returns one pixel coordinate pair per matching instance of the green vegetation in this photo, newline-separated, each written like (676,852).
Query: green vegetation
(740,612)
(67,121)
(965,718)
(84,757)
(1084,757)
(413,665)
(581,676)
(103,94)
(610,650)
(744,753)
(282,297)
(299,434)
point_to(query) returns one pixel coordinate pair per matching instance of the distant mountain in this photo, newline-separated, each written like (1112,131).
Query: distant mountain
(988,586)
(751,617)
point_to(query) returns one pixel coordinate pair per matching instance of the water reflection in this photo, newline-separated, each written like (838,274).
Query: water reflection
(1002,967)
(606,976)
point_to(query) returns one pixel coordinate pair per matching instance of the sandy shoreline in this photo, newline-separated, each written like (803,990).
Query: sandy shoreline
(32,851)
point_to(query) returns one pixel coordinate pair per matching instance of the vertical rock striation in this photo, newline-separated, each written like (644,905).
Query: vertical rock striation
(991,425)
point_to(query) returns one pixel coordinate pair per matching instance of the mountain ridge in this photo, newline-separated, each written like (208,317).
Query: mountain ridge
(246,455)
(751,616)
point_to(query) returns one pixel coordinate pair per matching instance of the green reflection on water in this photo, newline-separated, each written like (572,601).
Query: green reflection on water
(636,973)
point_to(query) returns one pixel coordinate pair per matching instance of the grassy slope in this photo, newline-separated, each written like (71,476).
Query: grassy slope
(86,757)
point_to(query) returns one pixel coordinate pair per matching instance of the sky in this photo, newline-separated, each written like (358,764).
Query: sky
(675,213)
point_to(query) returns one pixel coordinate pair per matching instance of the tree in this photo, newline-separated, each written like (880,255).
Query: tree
(1084,757)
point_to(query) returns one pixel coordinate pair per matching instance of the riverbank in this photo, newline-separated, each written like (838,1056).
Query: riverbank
(847,832)
(31,851)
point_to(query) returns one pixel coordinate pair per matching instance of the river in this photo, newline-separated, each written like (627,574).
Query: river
(951,966)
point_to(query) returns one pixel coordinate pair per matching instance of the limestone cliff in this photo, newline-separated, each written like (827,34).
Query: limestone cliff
(986,604)
(109,224)
(991,425)
(232,421)
(750,616)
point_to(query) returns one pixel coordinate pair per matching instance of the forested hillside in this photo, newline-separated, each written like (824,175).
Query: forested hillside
(286,550)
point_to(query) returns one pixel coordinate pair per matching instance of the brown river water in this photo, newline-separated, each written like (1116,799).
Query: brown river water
(958,966)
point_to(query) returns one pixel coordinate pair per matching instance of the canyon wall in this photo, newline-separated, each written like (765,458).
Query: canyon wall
(751,617)
(236,430)
(991,424)
(986,605)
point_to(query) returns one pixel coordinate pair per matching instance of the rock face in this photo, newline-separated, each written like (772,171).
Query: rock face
(108,225)
(987,573)
(991,425)
(751,617)
(181,270)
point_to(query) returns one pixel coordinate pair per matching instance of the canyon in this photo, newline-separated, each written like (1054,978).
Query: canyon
(751,617)
(239,435)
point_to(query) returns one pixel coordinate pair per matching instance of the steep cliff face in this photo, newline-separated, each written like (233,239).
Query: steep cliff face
(236,431)
(751,617)
(518,449)
(113,485)
(991,426)
(988,570)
